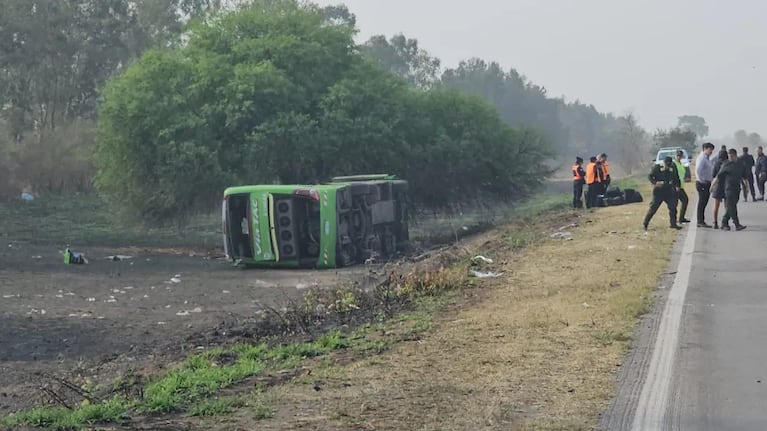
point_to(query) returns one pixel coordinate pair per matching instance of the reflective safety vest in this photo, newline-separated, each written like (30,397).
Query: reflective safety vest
(605,168)
(591,173)
(577,173)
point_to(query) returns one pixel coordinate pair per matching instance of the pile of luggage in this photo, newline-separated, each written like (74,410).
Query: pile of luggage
(615,196)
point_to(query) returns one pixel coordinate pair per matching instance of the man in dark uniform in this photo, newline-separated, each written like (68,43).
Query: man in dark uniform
(733,173)
(761,171)
(579,179)
(748,163)
(665,181)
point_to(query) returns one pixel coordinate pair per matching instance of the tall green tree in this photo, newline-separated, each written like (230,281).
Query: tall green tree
(404,58)
(634,143)
(676,137)
(695,124)
(519,102)
(244,86)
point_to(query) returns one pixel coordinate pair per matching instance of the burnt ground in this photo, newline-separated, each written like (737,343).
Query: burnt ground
(110,317)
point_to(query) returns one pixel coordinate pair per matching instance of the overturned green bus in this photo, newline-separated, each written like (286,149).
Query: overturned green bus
(344,222)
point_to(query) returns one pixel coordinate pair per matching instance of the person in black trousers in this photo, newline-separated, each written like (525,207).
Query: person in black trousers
(579,179)
(761,171)
(733,174)
(704,174)
(594,179)
(665,181)
(747,160)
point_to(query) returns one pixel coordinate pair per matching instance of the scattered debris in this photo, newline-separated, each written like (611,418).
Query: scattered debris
(488,274)
(91,299)
(481,258)
(74,258)
(586,305)
(11,296)
(187,312)
(570,226)
(37,257)
(567,236)
(632,247)
(118,257)
(225,291)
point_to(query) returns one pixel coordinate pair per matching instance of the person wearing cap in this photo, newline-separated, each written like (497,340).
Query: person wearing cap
(605,172)
(733,174)
(666,184)
(681,194)
(748,163)
(579,179)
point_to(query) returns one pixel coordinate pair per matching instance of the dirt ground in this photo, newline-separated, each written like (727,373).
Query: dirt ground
(111,316)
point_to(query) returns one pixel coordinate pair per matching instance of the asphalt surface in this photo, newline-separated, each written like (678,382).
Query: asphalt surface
(700,360)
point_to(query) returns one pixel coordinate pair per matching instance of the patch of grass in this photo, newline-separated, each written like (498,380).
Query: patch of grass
(203,375)
(85,220)
(633,182)
(261,412)
(190,386)
(216,407)
(60,418)
(447,227)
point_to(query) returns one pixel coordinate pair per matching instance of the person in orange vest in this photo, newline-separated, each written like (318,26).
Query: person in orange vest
(579,179)
(605,172)
(594,175)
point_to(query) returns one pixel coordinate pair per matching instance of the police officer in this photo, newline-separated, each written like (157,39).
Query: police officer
(665,181)
(761,171)
(579,179)
(734,174)
(748,163)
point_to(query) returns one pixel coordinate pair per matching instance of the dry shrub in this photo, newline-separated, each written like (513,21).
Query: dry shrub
(49,161)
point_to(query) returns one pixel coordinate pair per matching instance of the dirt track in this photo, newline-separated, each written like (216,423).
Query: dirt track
(112,315)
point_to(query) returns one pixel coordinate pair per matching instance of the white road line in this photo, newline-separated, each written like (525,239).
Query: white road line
(651,408)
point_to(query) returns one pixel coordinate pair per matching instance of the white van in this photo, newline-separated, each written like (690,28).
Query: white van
(671,152)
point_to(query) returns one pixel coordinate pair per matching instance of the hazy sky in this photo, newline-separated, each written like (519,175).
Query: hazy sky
(661,59)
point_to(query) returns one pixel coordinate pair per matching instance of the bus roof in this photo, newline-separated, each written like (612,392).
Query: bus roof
(279,188)
(335,184)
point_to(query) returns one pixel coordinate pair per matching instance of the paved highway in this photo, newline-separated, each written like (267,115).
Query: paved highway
(700,360)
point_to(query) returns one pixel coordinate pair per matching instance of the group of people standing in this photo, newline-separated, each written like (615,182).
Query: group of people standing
(720,178)
(596,175)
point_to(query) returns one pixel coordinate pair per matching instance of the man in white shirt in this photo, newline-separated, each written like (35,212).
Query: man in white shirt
(704,174)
